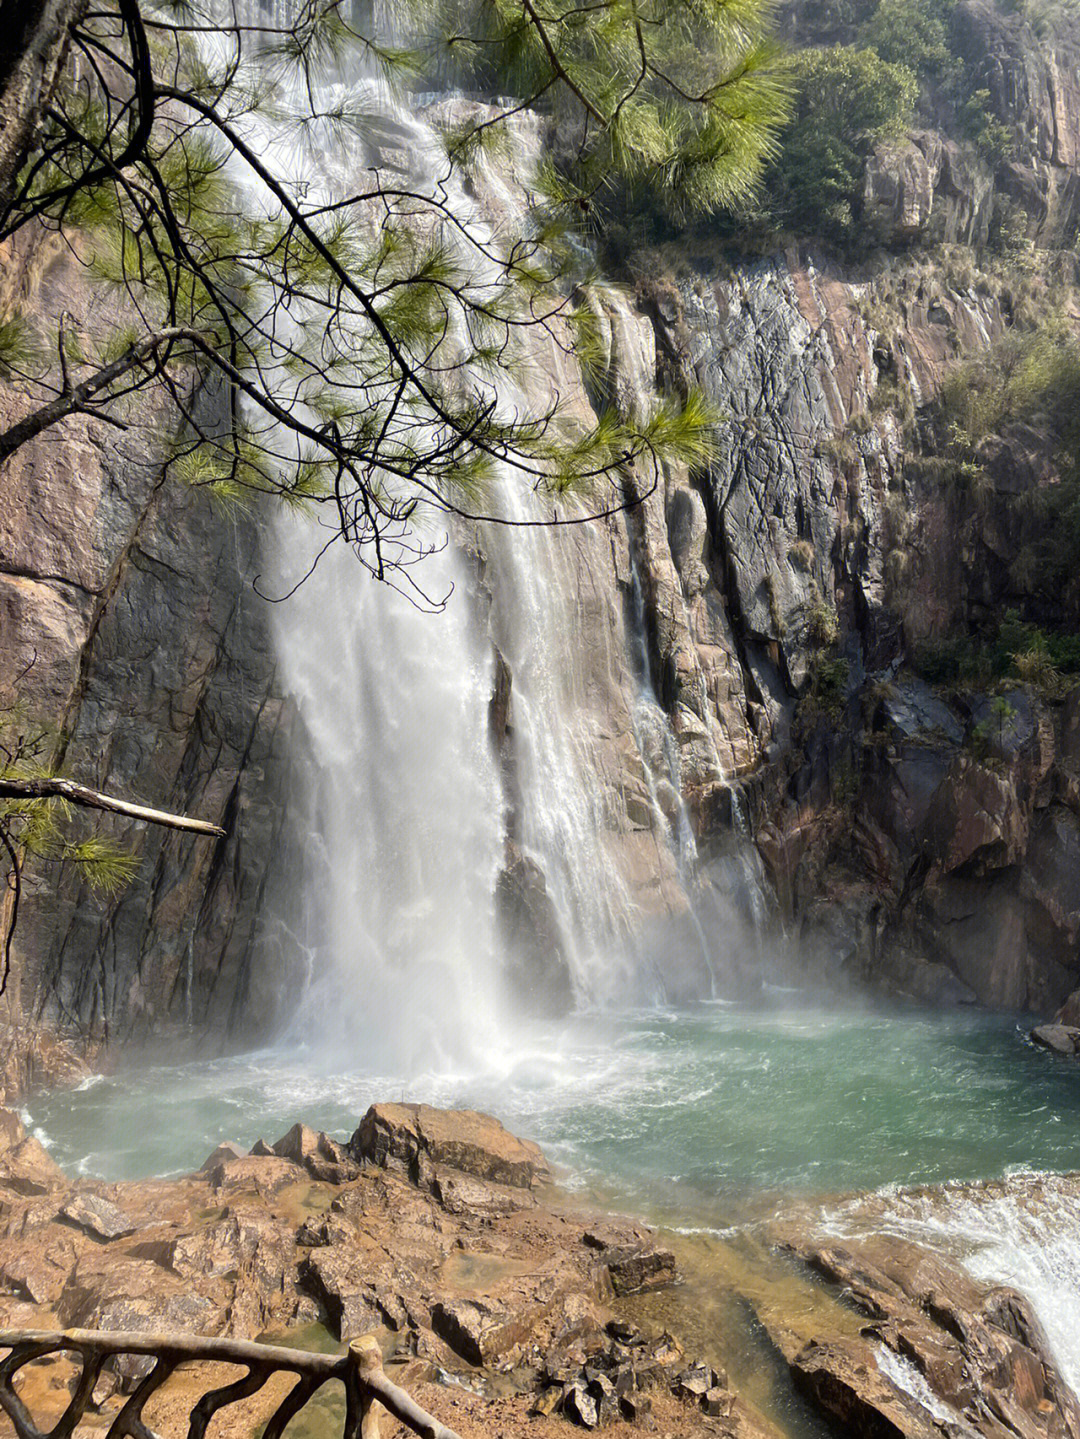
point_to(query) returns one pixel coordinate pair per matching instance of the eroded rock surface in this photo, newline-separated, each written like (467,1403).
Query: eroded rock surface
(458,1267)
(936,1352)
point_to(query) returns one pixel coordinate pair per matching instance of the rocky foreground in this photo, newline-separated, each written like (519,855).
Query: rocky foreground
(499,1311)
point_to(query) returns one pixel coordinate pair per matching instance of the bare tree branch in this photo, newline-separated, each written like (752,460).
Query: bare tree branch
(34,789)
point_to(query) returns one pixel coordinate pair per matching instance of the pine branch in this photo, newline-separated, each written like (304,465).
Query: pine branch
(74,399)
(66,789)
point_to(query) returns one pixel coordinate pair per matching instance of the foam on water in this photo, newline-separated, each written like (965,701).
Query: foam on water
(1023,1232)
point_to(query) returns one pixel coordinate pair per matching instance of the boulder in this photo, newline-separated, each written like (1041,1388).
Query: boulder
(227,1150)
(27,1168)
(843,1382)
(322,1157)
(12,1130)
(338,1277)
(413,1138)
(635,1270)
(477,1330)
(98,1217)
(264,1176)
(1069,1013)
(915,712)
(1061,1038)
(460,1193)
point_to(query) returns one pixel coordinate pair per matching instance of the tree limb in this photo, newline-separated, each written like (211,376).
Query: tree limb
(30,789)
(73,399)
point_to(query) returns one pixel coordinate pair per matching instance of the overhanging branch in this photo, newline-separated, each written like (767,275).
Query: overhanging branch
(66,789)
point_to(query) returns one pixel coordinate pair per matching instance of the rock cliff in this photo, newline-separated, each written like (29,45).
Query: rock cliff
(917,836)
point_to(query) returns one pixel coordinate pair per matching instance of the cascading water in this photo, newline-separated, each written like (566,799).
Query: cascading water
(408,830)
(410,815)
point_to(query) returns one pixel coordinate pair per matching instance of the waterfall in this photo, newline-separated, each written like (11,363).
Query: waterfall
(415,817)
(407,829)
(410,810)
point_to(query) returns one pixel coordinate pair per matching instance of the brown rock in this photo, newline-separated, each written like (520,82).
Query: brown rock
(1069,1013)
(99,1217)
(716,1402)
(477,1329)
(637,1270)
(413,1137)
(339,1279)
(227,1150)
(264,1176)
(843,1381)
(460,1193)
(1061,1038)
(27,1168)
(322,1157)
(12,1130)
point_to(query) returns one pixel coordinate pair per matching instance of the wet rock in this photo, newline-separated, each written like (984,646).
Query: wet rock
(635,1270)
(412,1138)
(1061,1038)
(97,1216)
(968,1350)
(1069,1013)
(843,1382)
(537,971)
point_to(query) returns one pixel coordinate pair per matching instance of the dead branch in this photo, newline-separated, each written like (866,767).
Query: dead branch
(66,789)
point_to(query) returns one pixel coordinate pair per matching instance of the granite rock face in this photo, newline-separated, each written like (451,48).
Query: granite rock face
(129,627)
(741,637)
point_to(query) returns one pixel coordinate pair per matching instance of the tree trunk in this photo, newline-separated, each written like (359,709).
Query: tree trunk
(36,34)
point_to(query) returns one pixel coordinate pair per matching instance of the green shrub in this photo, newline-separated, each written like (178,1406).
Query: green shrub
(912,33)
(847,100)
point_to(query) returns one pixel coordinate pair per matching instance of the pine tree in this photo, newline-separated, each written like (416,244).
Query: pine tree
(381,402)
